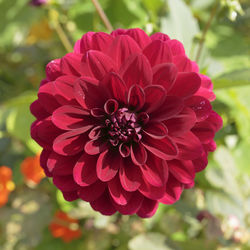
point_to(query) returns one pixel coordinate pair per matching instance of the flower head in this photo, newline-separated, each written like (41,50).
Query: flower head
(6,184)
(65,227)
(38,2)
(31,169)
(125,121)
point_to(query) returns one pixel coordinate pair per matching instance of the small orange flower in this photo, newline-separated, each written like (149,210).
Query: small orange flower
(6,184)
(65,227)
(31,169)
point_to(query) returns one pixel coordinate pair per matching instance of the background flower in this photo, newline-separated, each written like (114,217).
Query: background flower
(125,121)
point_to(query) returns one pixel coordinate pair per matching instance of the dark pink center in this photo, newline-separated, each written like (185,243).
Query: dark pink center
(123,127)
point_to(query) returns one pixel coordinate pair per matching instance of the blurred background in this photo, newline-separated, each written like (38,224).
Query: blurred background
(215,214)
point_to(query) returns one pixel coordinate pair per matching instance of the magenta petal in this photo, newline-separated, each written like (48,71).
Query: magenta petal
(130,176)
(53,69)
(65,183)
(201,162)
(176,47)
(61,165)
(205,134)
(103,204)
(158,52)
(70,196)
(189,146)
(101,41)
(139,36)
(138,154)
(181,123)
(118,194)
(148,208)
(156,130)
(107,165)
(164,75)
(200,105)
(165,148)
(99,63)
(69,143)
(84,44)
(172,106)
(116,87)
(70,64)
(155,171)
(136,97)
(155,96)
(95,133)
(84,172)
(70,117)
(186,84)
(160,36)
(89,93)
(183,171)
(95,147)
(133,204)
(43,162)
(38,111)
(136,70)
(92,192)
(183,63)
(122,47)
(173,191)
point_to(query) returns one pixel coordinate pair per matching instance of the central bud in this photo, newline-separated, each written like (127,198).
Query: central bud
(123,127)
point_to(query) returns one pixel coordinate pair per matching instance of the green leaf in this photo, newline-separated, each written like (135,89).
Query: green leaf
(232,79)
(180,24)
(148,241)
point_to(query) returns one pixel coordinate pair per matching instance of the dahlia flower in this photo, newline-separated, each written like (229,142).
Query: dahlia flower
(125,121)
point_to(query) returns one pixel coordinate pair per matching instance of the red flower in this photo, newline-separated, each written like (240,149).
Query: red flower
(65,227)
(125,121)
(6,184)
(31,170)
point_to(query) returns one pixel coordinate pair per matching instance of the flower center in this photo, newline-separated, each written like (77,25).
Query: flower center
(123,127)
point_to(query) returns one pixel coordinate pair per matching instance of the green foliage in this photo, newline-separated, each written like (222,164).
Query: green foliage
(29,40)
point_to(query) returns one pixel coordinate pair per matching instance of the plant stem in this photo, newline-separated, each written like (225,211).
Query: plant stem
(102,15)
(205,30)
(63,37)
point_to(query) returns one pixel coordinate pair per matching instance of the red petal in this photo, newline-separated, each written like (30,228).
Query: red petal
(181,123)
(155,96)
(173,191)
(89,94)
(164,75)
(189,146)
(200,105)
(122,47)
(84,172)
(107,165)
(130,176)
(155,171)
(136,97)
(138,154)
(183,171)
(99,63)
(136,70)
(186,84)
(69,143)
(158,52)
(101,41)
(70,196)
(103,205)
(164,148)
(148,208)
(139,36)
(133,204)
(92,192)
(69,117)
(84,44)
(61,165)
(183,63)
(95,147)
(116,87)
(53,69)
(38,111)
(172,106)
(156,130)
(70,64)
(118,194)
(160,36)
(65,183)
